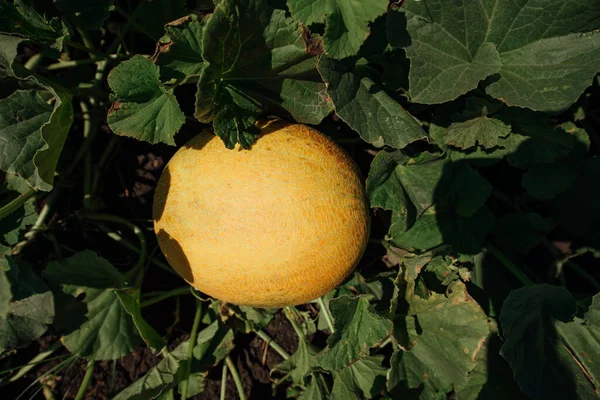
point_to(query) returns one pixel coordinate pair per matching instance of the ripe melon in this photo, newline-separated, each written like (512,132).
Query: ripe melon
(280,224)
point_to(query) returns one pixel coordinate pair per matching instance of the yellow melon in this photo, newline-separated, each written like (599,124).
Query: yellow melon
(280,224)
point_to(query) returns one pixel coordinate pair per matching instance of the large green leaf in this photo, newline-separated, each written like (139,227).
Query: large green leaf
(346,21)
(542,53)
(130,300)
(180,52)
(32,134)
(366,108)
(143,108)
(22,20)
(256,59)
(351,342)
(364,379)
(541,364)
(109,331)
(445,335)
(483,131)
(582,336)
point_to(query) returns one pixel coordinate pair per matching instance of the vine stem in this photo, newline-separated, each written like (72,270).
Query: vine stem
(223,382)
(190,354)
(273,344)
(17,203)
(326,314)
(516,271)
(236,378)
(89,372)
(291,316)
(165,295)
(136,230)
(39,222)
(35,361)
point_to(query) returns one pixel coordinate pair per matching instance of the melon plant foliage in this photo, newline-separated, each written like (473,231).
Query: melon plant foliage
(476,123)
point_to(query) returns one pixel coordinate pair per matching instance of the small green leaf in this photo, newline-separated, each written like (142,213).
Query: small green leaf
(180,53)
(13,226)
(317,388)
(346,22)
(530,317)
(446,334)
(300,364)
(22,20)
(26,320)
(256,59)
(130,299)
(364,379)
(234,125)
(142,106)
(32,134)
(366,108)
(519,232)
(349,343)
(213,344)
(545,181)
(165,375)
(483,131)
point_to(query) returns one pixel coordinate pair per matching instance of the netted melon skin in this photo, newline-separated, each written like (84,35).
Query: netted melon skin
(280,224)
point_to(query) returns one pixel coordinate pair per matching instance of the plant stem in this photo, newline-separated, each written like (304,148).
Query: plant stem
(516,271)
(89,372)
(236,378)
(103,160)
(35,361)
(34,61)
(165,295)
(193,336)
(136,230)
(326,314)
(272,344)
(118,238)
(223,382)
(39,222)
(85,61)
(17,203)
(289,313)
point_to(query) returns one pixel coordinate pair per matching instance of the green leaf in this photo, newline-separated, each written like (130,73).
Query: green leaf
(85,269)
(317,388)
(109,331)
(349,343)
(90,13)
(9,46)
(26,320)
(519,232)
(578,209)
(456,44)
(196,382)
(24,281)
(20,19)
(364,379)
(583,338)
(5,294)
(256,59)
(153,15)
(32,133)
(14,224)
(546,181)
(165,375)
(213,344)
(300,364)
(483,131)
(446,334)
(530,317)
(366,108)
(448,53)
(130,300)
(143,108)
(346,22)
(180,52)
